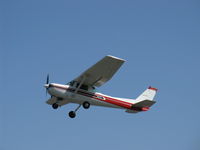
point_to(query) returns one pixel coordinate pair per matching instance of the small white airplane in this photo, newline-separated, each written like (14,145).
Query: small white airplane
(82,91)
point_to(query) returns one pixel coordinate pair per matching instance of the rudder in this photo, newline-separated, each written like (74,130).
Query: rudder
(148,94)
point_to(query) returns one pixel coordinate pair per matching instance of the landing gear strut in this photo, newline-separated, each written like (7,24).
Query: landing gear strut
(86,105)
(72,114)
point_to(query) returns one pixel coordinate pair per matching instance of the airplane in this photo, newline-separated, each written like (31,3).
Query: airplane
(82,90)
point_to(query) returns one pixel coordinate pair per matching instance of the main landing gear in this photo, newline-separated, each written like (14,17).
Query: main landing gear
(72,114)
(55,106)
(86,105)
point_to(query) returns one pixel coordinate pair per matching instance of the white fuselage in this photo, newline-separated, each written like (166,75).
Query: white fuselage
(66,94)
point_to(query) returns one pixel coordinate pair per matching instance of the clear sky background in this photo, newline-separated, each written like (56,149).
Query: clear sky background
(160,41)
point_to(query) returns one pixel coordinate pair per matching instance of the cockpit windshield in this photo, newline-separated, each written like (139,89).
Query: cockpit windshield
(71,83)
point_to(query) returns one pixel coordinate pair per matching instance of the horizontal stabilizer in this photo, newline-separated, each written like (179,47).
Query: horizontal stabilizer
(144,103)
(141,106)
(131,111)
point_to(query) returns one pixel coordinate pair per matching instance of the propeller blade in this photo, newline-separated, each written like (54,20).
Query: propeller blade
(47,82)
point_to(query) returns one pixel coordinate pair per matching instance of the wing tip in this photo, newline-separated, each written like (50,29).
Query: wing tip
(116,58)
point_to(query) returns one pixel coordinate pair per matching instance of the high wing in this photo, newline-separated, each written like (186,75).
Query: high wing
(101,72)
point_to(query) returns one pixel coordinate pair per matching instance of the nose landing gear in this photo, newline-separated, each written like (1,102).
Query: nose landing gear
(72,114)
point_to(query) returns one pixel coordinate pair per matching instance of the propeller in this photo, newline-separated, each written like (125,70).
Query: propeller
(47,83)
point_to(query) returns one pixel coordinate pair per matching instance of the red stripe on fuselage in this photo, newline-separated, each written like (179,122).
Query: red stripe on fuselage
(117,102)
(105,98)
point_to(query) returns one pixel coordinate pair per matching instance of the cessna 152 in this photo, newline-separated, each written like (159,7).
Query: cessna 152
(81,90)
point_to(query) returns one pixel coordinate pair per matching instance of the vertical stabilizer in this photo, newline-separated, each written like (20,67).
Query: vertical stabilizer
(148,94)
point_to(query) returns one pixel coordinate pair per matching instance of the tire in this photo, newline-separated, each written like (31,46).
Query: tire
(55,106)
(86,105)
(72,114)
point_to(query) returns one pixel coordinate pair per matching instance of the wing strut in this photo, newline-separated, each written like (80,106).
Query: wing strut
(81,83)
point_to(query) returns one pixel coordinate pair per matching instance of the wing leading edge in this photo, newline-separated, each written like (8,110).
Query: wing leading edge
(101,72)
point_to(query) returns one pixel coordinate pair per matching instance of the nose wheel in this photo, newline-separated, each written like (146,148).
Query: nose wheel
(72,114)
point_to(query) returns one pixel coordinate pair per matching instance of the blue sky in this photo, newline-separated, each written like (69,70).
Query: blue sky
(160,41)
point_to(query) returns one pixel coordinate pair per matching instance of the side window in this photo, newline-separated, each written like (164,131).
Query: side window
(94,89)
(77,84)
(71,83)
(100,97)
(84,87)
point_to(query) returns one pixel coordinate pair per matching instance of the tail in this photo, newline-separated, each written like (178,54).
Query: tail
(144,101)
(148,94)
